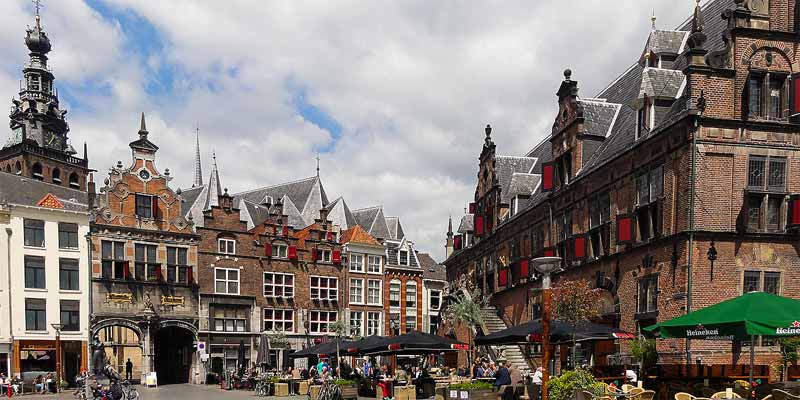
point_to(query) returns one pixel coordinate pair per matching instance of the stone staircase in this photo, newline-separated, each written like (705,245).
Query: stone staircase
(513,353)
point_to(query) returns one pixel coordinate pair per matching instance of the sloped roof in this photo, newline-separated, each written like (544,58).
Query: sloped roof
(340,215)
(662,41)
(466,224)
(306,195)
(357,234)
(295,220)
(661,83)
(598,116)
(18,190)
(373,221)
(430,268)
(392,249)
(256,213)
(505,167)
(523,184)
(395,228)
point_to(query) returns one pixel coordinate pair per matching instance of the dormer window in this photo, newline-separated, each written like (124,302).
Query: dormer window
(267,201)
(645,117)
(767,96)
(402,257)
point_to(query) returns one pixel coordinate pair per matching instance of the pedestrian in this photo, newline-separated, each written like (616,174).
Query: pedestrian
(503,375)
(129,370)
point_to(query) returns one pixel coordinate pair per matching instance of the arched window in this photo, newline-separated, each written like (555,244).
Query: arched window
(8,168)
(36,171)
(18,168)
(56,176)
(73,181)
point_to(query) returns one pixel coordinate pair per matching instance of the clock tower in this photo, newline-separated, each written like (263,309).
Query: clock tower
(37,145)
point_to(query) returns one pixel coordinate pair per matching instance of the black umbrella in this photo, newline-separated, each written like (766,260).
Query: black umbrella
(414,342)
(357,347)
(263,351)
(560,331)
(327,348)
(240,360)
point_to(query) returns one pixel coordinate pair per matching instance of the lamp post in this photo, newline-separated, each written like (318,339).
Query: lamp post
(58,327)
(546,265)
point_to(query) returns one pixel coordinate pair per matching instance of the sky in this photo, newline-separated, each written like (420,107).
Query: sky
(393,95)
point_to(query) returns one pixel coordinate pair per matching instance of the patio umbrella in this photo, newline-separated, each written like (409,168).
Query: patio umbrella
(414,342)
(356,347)
(743,317)
(240,360)
(560,331)
(263,351)
(327,348)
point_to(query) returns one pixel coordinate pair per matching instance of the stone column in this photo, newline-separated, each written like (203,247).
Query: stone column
(147,350)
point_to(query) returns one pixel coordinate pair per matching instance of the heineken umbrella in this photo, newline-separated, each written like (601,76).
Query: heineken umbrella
(560,331)
(743,317)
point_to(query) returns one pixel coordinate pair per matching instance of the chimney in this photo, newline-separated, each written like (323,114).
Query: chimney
(91,195)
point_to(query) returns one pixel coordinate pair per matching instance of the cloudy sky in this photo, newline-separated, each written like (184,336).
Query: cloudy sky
(393,95)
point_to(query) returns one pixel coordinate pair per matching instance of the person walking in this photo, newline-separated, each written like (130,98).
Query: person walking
(129,370)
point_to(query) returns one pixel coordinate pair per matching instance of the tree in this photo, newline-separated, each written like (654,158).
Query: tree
(466,306)
(573,302)
(339,328)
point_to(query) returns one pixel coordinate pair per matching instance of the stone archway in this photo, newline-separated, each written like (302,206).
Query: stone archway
(123,342)
(173,355)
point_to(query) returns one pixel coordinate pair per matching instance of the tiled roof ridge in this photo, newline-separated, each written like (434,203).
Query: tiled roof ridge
(545,139)
(27,179)
(276,185)
(367,208)
(518,157)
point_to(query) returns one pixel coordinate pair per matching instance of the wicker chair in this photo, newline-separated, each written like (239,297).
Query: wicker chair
(626,388)
(635,391)
(684,396)
(724,395)
(778,394)
(647,395)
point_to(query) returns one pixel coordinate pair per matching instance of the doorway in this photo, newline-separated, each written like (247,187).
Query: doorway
(173,355)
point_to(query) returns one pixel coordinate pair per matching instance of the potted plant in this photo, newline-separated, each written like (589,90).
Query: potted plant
(349,388)
(567,386)
(476,390)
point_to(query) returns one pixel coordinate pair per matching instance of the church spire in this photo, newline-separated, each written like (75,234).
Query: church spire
(214,185)
(450,226)
(198,169)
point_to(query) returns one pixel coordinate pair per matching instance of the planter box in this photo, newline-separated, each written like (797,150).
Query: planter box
(349,391)
(482,394)
(315,391)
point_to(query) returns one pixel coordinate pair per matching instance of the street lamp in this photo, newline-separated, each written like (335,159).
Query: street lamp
(58,327)
(546,265)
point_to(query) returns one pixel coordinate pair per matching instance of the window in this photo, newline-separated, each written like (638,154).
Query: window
(564,169)
(228,246)
(278,320)
(36,171)
(34,272)
(278,285)
(280,250)
(436,299)
(411,294)
(374,292)
(73,181)
(144,206)
(374,264)
(113,260)
(758,281)
(146,263)
(766,179)
(68,274)
(648,294)
(373,323)
(177,268)
(34,232)
(402,257)
(67,236)
(411,323)
(766,173)
(767,96)
(357,291)
(323,255)
(226,281)
(356,263)
(394,294)
(649,187)
(599,229)
(321,321)
(70,315)
(356,323)
(35,314)
(433,327)
(56,176)
(324,288)
(230,318)
(641,122)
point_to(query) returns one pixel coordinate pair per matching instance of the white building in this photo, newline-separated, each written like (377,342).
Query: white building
(45,277)
(433,280)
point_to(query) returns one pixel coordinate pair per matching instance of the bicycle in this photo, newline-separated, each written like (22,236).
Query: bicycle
(262,388)
(129,392)
(329,391)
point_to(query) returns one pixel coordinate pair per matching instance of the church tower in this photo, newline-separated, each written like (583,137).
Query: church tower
(38,146)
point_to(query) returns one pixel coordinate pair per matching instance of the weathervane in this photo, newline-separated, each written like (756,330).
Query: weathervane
(37,6)
(317,158)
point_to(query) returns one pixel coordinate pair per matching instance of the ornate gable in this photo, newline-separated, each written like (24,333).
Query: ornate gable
(50,201)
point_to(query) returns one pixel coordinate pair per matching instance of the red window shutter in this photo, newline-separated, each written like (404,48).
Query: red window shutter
(472,208)
(337,257)
(126,270)
(794,96)
(268,249)
(794,210)
(314,254)
(624,229)
(330,236)
(502,277)
(547,176)
(285,230)
(190,275)
(479,225)
(549,252)
(579,247)
(292,252)
(524,268)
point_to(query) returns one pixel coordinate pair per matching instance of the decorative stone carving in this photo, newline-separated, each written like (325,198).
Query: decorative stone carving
(119,298)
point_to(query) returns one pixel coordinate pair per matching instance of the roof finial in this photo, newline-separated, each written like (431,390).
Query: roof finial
(653,20)
(317,158)
(142,128)
(449,225)
(198,169)
(696,38)
(37,6)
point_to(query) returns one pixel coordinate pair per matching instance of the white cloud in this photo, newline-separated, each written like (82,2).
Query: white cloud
(412,84)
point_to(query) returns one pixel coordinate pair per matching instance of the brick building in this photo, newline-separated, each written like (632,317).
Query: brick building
(144,252)
(691,152)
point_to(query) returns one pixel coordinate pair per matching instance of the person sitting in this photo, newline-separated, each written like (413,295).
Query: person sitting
(503,376)
(477,372)
(38,384)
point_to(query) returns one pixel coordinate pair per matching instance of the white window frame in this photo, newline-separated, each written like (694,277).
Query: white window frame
(318,288)
(399,293)
(274,285)
(412,317)
(324,255)
(316,320)
(358,264)
(380,292)
(227,280)
(360,329)
(225,249)
(359,298)
(412,284)
(379,321)
(407,257)
(371,264)
(430,299)
(280,250)
(275,321)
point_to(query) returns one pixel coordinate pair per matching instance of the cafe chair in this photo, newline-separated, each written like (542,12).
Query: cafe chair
(684,396)
(646,395)
(626,388)
(635,391)
(742,384)
(778,394)
(724,395)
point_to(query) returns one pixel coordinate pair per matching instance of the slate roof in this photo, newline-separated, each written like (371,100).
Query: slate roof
(307,197)
(598,116)
(662,41)
(18,190)
(373,221)
(357,234)
(466,224)
(661,83)
(395,228)
(200,198)
(254,214)
(505,167)
(430,268)
(340,215)
(523,184)
(392,249)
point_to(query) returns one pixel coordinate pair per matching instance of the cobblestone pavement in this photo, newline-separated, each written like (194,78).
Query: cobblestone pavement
(174,392)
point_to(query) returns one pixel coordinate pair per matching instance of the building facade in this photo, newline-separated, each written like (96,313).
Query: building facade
(434,279)
(144,255)
(670,190)
(366,260)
